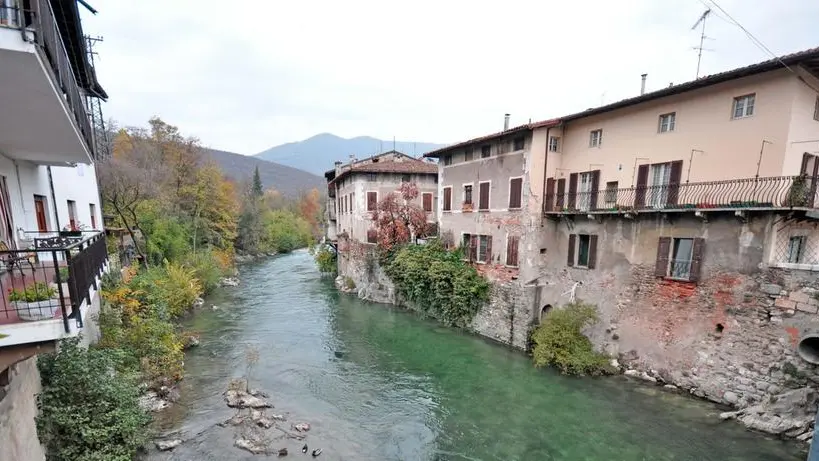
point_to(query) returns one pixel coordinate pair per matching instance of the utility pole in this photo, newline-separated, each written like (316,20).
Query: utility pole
(101,142)
(699,49)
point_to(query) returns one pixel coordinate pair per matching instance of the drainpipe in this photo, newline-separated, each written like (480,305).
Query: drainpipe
(53,198)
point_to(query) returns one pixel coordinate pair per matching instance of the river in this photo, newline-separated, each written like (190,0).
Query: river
(406,388)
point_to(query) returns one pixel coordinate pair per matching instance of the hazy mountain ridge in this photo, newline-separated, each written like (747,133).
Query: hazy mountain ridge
(317,154)
(285,179)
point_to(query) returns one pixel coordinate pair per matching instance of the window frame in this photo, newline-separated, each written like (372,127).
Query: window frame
(488,196)
(486,151)
(520,199)
(406,178)
(803,239)
(482,238)
(372,177)
(596,141)
(744,98)
(580,240)
(468,155)
(446,207)
(610,193)
(672,258)
(554,143)
(575,244)
(672,122)
(375,202)
(471,193)
(423,202)
(518,143)
(447,160)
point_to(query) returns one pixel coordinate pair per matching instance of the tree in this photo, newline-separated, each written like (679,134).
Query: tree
(397,218)
(310,209)
(257,191)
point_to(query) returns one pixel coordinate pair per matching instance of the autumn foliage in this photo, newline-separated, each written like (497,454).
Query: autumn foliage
(398,218)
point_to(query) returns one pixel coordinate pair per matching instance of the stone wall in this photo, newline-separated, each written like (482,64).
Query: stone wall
(19,385)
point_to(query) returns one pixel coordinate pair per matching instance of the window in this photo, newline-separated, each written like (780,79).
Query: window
(796,248)
(515,193)
(372,201)
(372,236)
(582,251)
(660,178)
(371,177)
(483,198)
(679,258)
(611,193)
(468,155)
(667,122)
(584,191)
(512,243)
(744,106)
(352,202)
(40,208)
(93,209)
(406,178)
(468,194)
(447,160)
(518,143)
(427,201)
(448,198)
(486,151)
(816,109)
(554,144)
(484,253)
(596,138)
(72,215)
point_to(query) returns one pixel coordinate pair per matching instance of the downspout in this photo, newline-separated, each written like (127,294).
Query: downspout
(53,198)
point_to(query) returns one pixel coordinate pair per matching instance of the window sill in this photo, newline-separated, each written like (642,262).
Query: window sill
(483,210)
(679,279)
(742,118)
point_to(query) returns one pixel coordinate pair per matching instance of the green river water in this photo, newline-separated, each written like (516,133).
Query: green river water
(409,389)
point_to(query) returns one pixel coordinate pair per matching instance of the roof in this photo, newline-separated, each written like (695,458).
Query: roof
(518,129)
(67,16)
(807,58)
(409,166)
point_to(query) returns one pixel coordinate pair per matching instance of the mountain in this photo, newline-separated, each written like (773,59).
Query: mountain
(289,181)
(317,154)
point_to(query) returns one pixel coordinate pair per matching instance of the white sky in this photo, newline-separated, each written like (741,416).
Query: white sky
(245,76)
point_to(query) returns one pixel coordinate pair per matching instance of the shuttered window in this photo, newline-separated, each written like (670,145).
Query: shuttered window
(427,199)
(549,200)
(512,250)
(582,251)
(679,258)
(483,199)
(372,236)
(447,198)
(372,201)
(515,192)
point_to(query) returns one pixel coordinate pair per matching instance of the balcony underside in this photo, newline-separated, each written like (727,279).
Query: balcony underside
(35,122)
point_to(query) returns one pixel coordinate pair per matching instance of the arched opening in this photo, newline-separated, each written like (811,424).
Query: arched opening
(543,311)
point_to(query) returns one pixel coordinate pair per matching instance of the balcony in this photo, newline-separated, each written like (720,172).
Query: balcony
(44,117)
(47,289)
(771,193)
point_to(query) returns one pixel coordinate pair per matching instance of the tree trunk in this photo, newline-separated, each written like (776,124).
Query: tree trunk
(131,233)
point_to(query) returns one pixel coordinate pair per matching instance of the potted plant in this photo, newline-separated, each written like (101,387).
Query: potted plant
(73,231)
(35,302)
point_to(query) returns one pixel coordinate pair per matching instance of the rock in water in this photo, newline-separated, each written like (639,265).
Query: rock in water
(229,282)
(251,446)
(283,452)
(301,427)
(165,445)
(339,354)
(788,414)
(240,399)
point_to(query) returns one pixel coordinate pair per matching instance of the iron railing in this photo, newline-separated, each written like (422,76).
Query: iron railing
(770,192)
(40,21)
(57,273)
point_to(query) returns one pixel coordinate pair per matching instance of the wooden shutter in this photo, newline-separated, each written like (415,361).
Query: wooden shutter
(512,250)
(372,200)
(561,194)
(572,191)
(696,259)
(572,243)
(488,248)
(663,251)
(549,198)
(447,198)
(592,251)
(642,185)
(595,188)
(515,192)
(427,202)
(473,248)
(483,200)
(805,159)
(674,182)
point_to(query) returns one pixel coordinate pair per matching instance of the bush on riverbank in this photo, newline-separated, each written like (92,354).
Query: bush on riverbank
(560,342)
(438,282)
(88,406)
(326,259)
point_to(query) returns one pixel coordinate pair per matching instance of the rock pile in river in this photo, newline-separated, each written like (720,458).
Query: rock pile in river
(789,414)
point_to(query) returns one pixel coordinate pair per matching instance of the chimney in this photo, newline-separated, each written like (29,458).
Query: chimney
(505,122)
(643,84)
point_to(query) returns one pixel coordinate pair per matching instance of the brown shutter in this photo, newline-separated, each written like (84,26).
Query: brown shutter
(488,248)
(473,248)
(674,182)
(804,168)
(595,188)
(515,192)
(696,259)
(548,200)
(427,202)
(663,250)
(372,200)
(570,260)
(512,250)
(813,183)
(561,194)
(592,251)
(447,198)
(642,184)
(572,191)
(483,200)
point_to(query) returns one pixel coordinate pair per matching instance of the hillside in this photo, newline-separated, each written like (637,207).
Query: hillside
(318,153)
(289,181)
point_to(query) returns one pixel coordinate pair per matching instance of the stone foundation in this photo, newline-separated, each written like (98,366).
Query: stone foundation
(19,385)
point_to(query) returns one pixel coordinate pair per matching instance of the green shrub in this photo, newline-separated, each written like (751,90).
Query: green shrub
(438,282)
(168,239)
(284,231)
(560,342)
(170,289)
(89,410)
(208,267)
(38,291)
(326,260)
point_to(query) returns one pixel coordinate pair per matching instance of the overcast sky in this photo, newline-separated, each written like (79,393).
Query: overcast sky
(245,76)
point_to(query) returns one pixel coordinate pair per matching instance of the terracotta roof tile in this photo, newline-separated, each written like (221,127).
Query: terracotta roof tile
(406,166)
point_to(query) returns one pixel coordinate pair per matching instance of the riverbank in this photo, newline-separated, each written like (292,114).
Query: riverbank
(378,383)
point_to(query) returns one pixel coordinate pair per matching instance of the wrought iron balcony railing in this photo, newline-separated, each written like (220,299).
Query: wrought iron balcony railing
(784,192)
(39,19)
(52,279)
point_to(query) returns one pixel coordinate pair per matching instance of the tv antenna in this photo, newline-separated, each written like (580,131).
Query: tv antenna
(699,49)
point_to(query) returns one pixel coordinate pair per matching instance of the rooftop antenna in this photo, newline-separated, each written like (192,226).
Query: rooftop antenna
(699,49)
